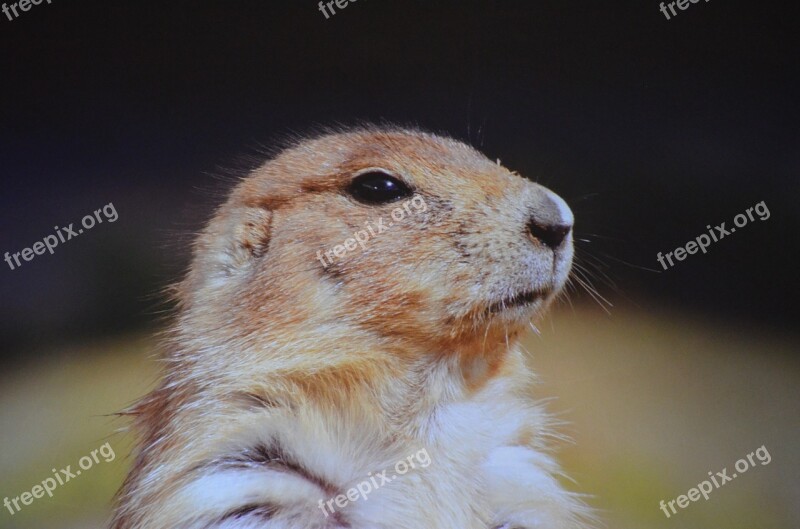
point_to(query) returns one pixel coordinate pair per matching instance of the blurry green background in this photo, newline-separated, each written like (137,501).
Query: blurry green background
(651,129)
(652,402)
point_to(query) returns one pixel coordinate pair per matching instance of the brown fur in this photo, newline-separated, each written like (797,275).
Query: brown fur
(263,329)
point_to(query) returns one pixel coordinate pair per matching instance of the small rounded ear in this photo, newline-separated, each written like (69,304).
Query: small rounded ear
(251,233)
(233,240)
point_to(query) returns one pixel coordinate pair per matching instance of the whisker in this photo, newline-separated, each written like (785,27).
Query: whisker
(599,299)
(582,197)
(597,274)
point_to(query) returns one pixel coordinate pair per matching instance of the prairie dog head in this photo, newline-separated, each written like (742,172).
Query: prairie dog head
(345,291)
(378,239)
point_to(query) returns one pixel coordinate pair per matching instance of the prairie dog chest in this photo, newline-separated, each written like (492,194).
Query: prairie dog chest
(435,481)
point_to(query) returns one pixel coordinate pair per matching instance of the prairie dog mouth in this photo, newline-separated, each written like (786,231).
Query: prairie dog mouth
(518,300)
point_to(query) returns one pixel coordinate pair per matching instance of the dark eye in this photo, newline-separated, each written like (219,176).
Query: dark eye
(377,187)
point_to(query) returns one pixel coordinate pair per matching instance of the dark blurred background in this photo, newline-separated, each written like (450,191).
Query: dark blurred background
(650,128)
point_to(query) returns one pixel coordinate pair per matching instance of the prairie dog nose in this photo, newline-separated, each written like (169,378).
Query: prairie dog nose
(551,220)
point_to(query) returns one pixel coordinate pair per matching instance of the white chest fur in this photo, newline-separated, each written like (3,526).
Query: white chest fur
(465,470)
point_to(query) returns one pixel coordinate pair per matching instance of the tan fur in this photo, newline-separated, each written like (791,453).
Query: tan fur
(403,345)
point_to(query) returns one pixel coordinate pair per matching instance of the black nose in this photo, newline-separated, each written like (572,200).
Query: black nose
(551,235)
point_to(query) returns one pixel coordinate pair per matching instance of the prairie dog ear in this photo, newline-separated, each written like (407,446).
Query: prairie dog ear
(234,240)
(251,234)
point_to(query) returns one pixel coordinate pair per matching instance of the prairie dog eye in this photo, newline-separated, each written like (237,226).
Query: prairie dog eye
(377,187)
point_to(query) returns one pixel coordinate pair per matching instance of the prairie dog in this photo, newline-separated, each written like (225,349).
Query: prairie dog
(296,371)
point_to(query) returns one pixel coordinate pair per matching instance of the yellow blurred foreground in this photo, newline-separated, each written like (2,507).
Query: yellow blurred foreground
(653,405)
